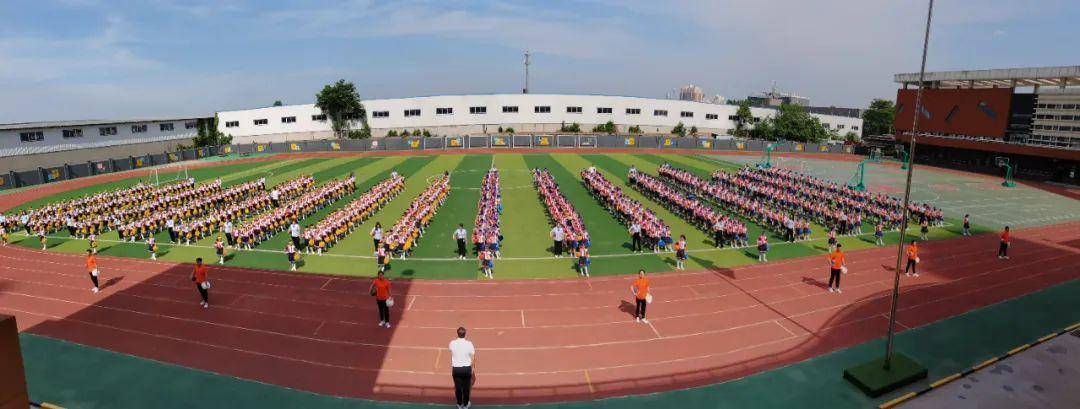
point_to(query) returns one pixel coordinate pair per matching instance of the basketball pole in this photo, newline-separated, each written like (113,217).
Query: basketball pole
(907,191)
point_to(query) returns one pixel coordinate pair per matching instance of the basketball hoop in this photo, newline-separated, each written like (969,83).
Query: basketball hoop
(1003,162)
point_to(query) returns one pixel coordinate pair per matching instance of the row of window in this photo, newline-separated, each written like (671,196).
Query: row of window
(1059,128)
(1058,117)
(37,136)
(1057,106)
(539,109)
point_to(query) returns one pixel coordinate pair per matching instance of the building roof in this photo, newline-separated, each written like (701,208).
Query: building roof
(1006,77)
(87,122)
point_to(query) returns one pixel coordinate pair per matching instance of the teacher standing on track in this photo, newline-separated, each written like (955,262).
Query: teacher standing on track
(380,288)
(462,359)
(640,289)
(92,268)
(199,277)
(1003,249)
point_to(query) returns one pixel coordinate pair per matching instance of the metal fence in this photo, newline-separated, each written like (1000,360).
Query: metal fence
(464,143)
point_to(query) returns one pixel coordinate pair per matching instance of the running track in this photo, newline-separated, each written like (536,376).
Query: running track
(538,341)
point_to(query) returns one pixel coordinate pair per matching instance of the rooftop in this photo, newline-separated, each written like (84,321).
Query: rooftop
(86,122)
(1005,77)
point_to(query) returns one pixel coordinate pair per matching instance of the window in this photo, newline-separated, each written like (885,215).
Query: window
(35,136)
(73,133)
(825,125)
(840,126)
(165,127)
(377,114)
(261,121)
(412,112)
(351,116)
(478,110)
(732,117)
(1068,106)
(854,127)
(321,117)
(572,110)
(510,109)
(232,124)
(602,110)
(138,128)
(542,109)
(686,114)
(659,112)
(107,130)
(712,116)
(190,125)
(633,111)
(288,119)
(444,111)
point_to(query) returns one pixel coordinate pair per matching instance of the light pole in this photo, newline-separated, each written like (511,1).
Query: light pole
(907,190)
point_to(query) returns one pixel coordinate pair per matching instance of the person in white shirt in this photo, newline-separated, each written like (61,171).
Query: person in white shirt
(170,225)
(294,232)
(274,195)
(462,361)
(459,235)
(376,235)
(228,229)
(557,237)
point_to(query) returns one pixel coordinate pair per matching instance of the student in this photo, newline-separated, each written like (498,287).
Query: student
(836,267)
(924,227)
(462,362)
(487,263)
(3,235)
(219,248)
(376,236)
(92,268)
(635,237)
(763,248)
(294,233)
(93,242)
(44,240)
(584,260)
(832,240)
(380,257)
(198,275)
(380,289)
(879,234)
(912,259)
(290,251)
(151,246)
(640,289)
(680,253)
(967,225)
(459,236)
(1003,248)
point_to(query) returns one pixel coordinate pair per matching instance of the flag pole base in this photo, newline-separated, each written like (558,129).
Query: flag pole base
(874,380)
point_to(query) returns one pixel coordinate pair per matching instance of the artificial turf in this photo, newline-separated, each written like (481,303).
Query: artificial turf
(525,225)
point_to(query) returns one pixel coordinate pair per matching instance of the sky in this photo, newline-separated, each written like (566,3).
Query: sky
(99,59)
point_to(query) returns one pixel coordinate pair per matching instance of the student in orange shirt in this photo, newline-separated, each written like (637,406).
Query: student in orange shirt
(912,259)
(640,289)
(91,267)
(380,289)
(199,277)
(1003,249)
(836,265)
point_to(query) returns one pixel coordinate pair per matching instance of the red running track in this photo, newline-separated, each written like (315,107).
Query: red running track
(538,341)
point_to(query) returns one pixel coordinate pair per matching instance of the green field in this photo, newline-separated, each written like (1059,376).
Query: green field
(524,223)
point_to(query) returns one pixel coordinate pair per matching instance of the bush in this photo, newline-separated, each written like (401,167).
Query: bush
(679,129)
(391,133)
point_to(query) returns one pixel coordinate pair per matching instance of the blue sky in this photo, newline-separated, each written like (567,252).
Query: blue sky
(81,59)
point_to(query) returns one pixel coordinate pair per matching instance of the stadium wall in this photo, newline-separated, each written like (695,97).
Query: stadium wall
(982,112)
(59,158)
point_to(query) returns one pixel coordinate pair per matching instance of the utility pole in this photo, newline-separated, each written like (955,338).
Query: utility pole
(527,62)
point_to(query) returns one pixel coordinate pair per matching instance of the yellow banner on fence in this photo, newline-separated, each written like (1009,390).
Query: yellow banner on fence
(295,147)
(3,181)
(199,153)
(260,148)
(173,157)
(415,143)
(667,142)
(335,146)
(543,141)
(226,150)
(707,144)
(740,146)
(629,141)
(823,148)
(138,163)
(498,141)
(799,147)
(54,174)
(455,142)
(849,149)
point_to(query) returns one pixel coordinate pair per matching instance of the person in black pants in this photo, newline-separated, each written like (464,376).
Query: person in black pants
(1003,249)
(462,359)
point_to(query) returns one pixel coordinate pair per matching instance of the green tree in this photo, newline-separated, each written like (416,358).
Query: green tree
(851,137)
(208,134)
(510,131)
(634,129)
(743,119)
(679,129)
(426,133)
(391,133)
(574,127)
(608,128)
(341,103)
(278,103)
(878,120)
(790,123)
(417,133)
(693,130)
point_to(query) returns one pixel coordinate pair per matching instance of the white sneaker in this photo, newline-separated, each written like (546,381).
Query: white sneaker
(915,275)
(644,321)
(381,323)
(831,289)
(94,290)
(637,319)
(1006,257)
(838,291)
(206,305)
(387,325)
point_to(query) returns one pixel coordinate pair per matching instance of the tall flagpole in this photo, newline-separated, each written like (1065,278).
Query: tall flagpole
(907,190)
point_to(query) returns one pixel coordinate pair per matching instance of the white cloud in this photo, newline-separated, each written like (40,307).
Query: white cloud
(1000,33)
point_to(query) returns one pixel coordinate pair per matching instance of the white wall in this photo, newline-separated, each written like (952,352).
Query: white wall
(525,120)
(10,140)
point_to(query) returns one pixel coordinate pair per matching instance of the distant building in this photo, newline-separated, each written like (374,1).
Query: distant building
(691,92)
(774,98)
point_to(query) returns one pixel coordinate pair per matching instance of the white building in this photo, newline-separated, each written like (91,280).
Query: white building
(485,114)
(43,137)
